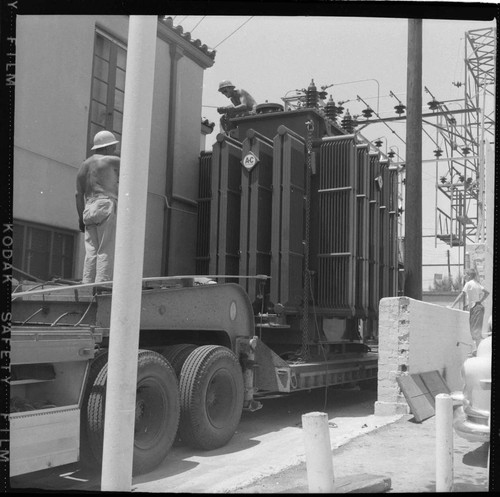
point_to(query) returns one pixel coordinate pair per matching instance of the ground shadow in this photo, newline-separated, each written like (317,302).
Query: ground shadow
(69,477)
(171,466)
(477,457)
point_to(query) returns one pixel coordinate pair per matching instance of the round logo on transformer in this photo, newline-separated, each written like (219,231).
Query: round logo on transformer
(250,161)
(232,310)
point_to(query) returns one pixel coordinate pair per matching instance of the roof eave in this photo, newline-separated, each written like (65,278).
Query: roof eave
(201,55)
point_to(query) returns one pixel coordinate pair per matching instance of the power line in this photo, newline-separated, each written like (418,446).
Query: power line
(237,29)
(184,18)
(382,120)
(198,23)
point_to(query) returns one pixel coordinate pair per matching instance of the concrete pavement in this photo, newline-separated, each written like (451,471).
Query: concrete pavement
(403,451)
(267,454)
(246,460)
(266,443)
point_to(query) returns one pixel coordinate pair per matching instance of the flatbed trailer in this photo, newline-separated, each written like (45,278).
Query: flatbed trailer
(201,351)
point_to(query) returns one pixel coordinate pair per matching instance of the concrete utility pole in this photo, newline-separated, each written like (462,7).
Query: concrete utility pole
(413,210)
(129,256)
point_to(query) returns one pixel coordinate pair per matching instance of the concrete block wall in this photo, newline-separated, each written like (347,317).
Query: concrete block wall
(417,337)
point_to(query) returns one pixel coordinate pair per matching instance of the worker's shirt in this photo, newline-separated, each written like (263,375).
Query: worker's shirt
(474,291)
(244,97)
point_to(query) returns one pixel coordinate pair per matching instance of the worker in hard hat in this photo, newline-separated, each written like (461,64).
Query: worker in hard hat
(243,104)
(96,202)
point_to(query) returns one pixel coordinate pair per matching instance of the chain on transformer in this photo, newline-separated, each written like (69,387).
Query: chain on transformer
(307,275)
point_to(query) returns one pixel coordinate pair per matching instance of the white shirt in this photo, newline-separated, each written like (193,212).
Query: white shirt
(474,291)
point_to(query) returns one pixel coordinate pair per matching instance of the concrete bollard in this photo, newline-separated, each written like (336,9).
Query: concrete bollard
(319,462)
(444,443)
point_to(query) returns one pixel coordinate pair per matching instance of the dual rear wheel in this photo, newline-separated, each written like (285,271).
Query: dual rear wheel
(211,391)
(199,390)
(157,412)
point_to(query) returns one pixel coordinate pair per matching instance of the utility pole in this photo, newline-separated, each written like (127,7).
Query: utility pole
(413,210)
(117,458)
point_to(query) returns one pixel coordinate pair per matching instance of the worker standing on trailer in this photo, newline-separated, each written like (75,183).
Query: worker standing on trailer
(243,104)
(476,294)
(96,202)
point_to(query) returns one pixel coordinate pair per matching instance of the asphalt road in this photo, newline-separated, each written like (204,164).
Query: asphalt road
(266,443)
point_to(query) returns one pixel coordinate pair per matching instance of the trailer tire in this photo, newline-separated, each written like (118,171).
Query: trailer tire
(176,355)
(211,389)
(157,411)
(86,454)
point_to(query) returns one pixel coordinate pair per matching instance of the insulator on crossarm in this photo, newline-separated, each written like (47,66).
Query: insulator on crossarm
(368,112)
(433,104)
(400,108)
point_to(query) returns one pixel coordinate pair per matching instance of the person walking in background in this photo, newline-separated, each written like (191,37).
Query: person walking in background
(475,294)
(96,200)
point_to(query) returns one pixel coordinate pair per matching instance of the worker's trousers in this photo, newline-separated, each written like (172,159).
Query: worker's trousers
(476,315)
(99,218)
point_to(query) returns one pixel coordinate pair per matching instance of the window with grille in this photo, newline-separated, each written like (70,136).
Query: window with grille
(42,251)
(108,87)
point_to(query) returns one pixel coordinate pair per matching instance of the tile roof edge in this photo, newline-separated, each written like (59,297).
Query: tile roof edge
(168,22)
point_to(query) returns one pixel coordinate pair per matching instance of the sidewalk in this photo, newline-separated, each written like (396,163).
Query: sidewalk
(404,451)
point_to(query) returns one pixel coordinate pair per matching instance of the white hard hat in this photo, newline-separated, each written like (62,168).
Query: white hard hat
(104,139)
(225,84)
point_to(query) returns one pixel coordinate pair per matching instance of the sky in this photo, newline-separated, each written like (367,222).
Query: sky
(366,57)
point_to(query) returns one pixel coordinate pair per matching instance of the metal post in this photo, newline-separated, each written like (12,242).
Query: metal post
(449,269)
(129,256)
(444,443)
(318,452)
(413,209)
(480,233)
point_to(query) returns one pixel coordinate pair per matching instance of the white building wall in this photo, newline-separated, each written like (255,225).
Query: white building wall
(187,139)
(417,337)
(52,99)
(185,168)
(53,78)
(156,207)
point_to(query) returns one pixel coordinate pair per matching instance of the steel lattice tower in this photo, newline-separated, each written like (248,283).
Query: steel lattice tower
(463,183)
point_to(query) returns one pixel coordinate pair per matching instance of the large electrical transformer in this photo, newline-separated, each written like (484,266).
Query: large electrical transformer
(294,196)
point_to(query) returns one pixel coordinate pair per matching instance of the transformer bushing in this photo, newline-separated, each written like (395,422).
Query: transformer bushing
(348,122)
(331,109)
(312,96)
